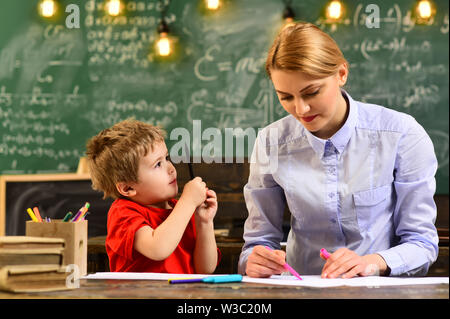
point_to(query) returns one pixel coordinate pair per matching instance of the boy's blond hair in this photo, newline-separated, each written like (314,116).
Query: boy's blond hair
(113,155)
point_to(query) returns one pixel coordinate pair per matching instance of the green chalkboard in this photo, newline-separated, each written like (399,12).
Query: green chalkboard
(59,86)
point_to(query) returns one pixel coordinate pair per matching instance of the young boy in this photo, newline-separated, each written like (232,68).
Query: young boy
(148,229)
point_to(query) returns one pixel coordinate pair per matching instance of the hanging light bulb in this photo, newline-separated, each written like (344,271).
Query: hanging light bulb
(47,8)
(163,45)
(334,10)
(212,4)
(114,7)
(425,10)
(288,16)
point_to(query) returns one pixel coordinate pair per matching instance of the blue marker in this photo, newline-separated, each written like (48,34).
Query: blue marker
(225,278)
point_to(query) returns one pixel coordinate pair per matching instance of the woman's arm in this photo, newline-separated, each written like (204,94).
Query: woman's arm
(415,210)
(265,202)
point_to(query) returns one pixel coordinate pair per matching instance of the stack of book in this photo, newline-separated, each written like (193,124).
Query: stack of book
(32,264)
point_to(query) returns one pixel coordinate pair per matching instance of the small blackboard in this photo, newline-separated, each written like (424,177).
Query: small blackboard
(54,195)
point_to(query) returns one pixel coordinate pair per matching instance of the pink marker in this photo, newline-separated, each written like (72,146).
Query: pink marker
(325,253)
(288,268)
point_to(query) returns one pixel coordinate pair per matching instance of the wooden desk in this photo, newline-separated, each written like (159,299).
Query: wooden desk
(146,289)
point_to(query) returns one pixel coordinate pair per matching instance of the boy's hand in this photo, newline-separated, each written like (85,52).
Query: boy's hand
(207,210)
(194,191)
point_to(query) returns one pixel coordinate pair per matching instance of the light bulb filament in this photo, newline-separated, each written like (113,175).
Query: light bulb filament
(212,4)
(334,10)
(48,8)
(113,7)
(163,45)
(424,9)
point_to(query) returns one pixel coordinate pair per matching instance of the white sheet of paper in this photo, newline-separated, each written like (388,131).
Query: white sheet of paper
(371,281)
(308,281)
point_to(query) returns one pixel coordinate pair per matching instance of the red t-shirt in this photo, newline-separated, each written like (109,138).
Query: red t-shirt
(125,217)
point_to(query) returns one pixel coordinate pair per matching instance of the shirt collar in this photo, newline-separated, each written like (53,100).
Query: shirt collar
(341,137)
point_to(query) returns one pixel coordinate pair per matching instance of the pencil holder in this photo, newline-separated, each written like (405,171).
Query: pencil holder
(74,234)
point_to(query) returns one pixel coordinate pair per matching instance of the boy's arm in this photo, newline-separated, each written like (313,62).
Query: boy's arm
(205,251)
(159,243)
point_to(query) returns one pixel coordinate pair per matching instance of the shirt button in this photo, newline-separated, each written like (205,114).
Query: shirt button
(333,220)
(331,195)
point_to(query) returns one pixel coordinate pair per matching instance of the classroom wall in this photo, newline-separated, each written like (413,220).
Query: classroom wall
(59,86)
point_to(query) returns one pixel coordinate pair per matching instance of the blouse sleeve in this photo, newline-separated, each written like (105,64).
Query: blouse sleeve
(415,211)
(265,202)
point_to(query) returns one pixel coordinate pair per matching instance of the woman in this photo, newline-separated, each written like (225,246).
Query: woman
(358,178)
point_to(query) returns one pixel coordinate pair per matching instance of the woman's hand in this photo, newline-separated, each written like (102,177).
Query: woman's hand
(263,262)
(346,263)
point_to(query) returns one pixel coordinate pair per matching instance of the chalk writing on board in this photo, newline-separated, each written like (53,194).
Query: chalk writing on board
(445,25)
(419,97)
(222,117)
(208,57)
(378,46)
(265,101)
(206,69)
(116,108)
(126,45)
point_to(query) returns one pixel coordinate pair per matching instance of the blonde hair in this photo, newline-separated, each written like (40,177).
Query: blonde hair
(306,48)
(113,155)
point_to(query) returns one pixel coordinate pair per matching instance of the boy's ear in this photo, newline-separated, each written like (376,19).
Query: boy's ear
(125,189)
